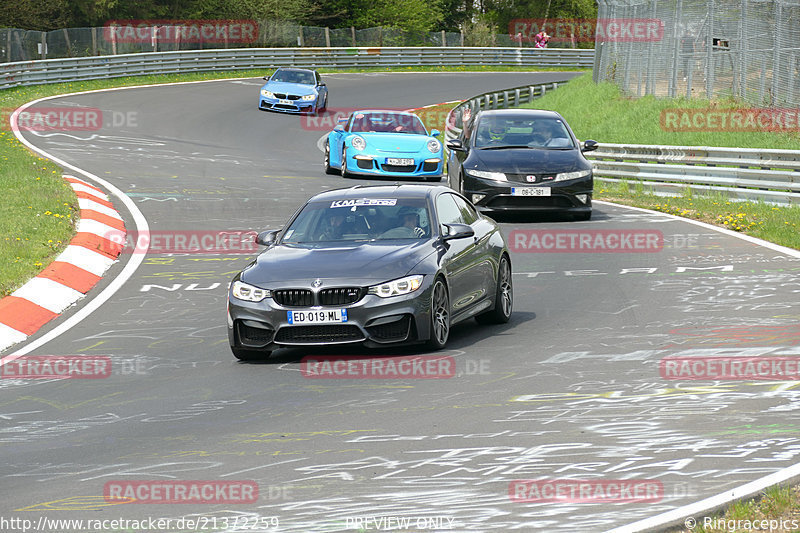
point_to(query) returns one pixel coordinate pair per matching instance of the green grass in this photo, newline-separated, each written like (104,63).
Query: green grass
(779,503)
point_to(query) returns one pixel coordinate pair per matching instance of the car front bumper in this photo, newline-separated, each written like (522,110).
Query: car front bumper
(372,321)
(425,165)
(564,196)
(296,106)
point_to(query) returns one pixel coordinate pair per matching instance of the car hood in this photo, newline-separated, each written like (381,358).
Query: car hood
(291,88)
(526,160)
(297,265)
(396,142)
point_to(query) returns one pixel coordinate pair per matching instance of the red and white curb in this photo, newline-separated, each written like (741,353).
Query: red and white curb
(72,274)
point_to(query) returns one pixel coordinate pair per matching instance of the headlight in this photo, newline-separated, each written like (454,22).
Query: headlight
(397,287)
(358,143)
(497,176)
(267,94)
(564,176)
(308,97)
(434,146)
(244,291)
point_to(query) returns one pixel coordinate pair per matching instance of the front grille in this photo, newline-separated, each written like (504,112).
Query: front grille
(523,178)
(429,166)
(529,201)
(324,334)
(293,297)
(340,296)
(284,96)
(250,336)
(399,168)
(365,163)
(393,332)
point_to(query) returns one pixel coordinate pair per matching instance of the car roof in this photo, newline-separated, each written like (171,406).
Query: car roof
(405,190)
(392,111)
(520,113)
(295,69)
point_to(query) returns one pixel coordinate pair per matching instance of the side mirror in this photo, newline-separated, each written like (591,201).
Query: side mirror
(338,127)
(267,238)
(435,133)
(589,146)
(266,78)
(342,120)
(321,84)
(457,231)
(456,145)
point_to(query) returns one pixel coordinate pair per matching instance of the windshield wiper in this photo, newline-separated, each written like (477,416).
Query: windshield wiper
(505,146)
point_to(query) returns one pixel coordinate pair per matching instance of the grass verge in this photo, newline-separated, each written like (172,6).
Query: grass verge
(777,511)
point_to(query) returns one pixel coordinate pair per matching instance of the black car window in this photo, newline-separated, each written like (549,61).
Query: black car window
(360,219)
(493,132)
(447,210)
(468,213)
(317,77)
(387,122)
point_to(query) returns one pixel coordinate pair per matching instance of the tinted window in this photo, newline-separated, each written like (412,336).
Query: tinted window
(468,213)
(498,131)
(388,123)
(360,219)
(448,210)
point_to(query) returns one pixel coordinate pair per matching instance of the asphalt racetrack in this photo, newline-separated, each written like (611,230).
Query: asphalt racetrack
(571,389)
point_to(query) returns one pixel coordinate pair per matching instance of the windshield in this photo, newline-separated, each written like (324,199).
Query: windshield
(497,132)
(293,76)
(388,123)
(364,219)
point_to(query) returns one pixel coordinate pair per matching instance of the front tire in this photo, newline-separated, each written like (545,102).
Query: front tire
(345,173)
(503,299)
(440,316)
(328,168)
(243,354)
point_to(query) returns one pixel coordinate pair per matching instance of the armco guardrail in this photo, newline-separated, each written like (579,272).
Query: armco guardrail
(494,100)
(738,173)
(88,68)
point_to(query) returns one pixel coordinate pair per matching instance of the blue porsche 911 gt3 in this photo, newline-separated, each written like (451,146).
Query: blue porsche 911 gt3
(384,143)
(294,90)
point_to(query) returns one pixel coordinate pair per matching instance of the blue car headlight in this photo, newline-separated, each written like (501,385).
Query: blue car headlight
(434,146)
(267,94)
(308,97)
(358,143)
(397,287)
(249,293)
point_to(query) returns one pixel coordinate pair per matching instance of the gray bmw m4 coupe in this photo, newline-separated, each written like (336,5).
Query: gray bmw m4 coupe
(377,265)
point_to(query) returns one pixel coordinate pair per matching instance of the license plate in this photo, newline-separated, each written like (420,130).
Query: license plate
(330,316)
(285,102)
(530,191)
(399,162)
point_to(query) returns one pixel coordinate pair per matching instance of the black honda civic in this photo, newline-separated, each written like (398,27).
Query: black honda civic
(521,159)
(378,265)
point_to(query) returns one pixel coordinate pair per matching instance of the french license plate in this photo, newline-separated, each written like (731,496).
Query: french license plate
(329,316)
(530,191)
(285,102)
(399,162)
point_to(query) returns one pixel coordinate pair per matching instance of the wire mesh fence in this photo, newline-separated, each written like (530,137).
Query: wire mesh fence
(166,36)
(748,49)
